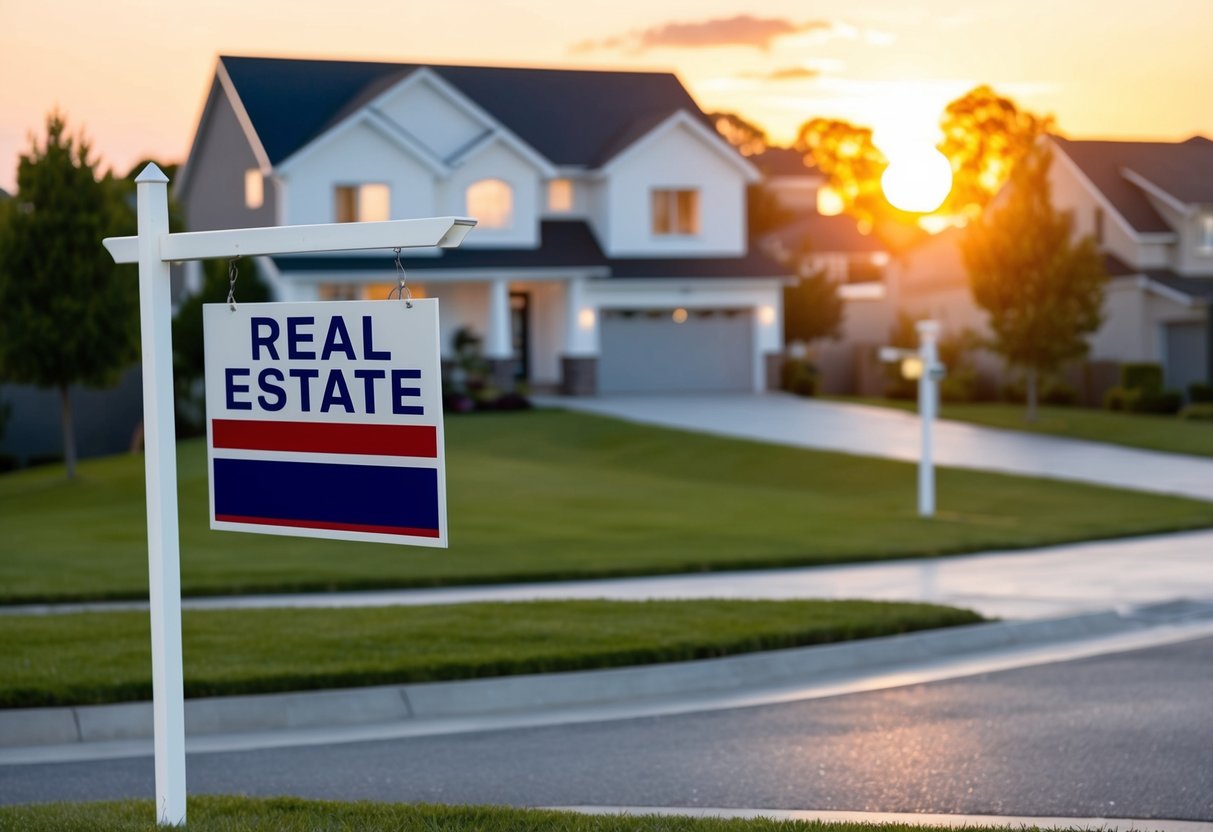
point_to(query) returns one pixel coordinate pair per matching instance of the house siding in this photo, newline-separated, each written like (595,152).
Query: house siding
(675,159)
(214,197)
(359,154)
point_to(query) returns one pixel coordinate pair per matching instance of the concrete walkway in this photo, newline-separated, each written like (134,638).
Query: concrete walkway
(893,434)
(1020,585)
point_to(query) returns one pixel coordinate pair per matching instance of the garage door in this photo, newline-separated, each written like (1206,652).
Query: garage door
(1187,354)
(676,351)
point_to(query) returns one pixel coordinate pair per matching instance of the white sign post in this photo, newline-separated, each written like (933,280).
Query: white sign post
(154,249)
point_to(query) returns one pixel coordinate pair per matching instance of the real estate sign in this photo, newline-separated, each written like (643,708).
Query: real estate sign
(325,420)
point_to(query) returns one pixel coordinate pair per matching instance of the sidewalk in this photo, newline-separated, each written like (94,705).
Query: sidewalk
(1034,584)
(893,434)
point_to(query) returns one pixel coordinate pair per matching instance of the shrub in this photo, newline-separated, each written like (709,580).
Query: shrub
(1200,392)
(1162,401)
(799,376)
(1057,391)
(1144,376)
(959,386)
(1118,398)
(1202,411)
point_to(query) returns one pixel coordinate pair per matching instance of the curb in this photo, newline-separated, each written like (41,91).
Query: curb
(412,703)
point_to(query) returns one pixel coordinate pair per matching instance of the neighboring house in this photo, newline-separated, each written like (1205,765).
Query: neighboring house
(813,241)
(1149,206)
(611,251)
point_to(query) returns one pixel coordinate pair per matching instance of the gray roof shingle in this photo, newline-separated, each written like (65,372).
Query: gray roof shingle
(571,117)
(1182,169)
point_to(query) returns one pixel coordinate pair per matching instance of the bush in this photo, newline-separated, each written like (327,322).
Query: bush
(1141,401)
(1120,399)
(1145,376)
(799,376)
(1202,412)
(1057,391)
(959,386)
(1200,392)
(1167,402)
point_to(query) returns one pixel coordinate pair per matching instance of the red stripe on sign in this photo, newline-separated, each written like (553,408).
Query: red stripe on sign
(320,524)
(325,438)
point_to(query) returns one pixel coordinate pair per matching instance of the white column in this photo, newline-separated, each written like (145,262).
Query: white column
(768,338)
(160,463)
(498,343)
(928,399)
(581,321)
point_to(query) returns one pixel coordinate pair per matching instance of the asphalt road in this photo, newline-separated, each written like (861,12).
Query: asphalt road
(1122,735)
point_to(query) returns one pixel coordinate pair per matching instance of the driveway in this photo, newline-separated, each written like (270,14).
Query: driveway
(893,434)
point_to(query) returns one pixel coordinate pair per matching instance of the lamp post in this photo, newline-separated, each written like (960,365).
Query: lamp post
(924,366)
(928,403)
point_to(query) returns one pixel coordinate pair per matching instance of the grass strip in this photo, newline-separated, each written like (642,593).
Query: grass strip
(245,814)
(551,495)
(92,658)
(1168,434)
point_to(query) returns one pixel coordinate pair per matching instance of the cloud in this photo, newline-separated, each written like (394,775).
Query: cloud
(790,73)
(741,30)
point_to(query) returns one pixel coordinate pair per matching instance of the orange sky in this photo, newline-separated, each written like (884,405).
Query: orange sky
(133,72)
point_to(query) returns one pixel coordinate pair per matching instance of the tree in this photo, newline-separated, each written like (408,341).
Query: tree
(68,315)
(747,137)
(985,135)
(1042,289)
(851,162)
(812,309)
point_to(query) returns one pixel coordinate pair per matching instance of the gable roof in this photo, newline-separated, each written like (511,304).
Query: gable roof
(571,117)
(1183,170)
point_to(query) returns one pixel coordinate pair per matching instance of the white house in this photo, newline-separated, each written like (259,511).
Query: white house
(611,251)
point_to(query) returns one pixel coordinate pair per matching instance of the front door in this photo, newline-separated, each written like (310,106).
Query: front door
(520,333)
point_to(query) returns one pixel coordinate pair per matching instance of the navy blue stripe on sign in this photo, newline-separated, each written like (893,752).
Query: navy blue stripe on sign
(328,495)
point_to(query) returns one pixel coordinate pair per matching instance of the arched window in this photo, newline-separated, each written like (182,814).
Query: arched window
(491,201)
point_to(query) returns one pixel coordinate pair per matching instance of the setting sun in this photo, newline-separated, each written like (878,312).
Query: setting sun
(917,181)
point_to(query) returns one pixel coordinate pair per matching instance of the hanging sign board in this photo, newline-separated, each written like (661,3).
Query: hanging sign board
(325,420)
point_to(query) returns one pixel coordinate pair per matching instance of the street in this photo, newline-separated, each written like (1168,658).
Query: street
(1121,735)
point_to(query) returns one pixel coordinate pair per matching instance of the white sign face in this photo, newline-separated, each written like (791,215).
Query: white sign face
(325,420)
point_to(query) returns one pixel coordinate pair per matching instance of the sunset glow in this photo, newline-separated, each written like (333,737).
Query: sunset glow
(917,181)
(134,75)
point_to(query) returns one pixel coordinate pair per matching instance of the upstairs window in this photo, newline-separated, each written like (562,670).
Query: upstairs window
(370,202)
(560,195)
(491,202)
(675,212)
(1204,243)
(254,189)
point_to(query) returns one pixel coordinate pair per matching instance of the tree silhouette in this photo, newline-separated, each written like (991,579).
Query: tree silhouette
(68,315)
(747,137)
(1042,289)
(985,135)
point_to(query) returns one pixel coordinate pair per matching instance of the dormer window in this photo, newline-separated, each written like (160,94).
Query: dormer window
(675,212)
(560,196)
(491,202)
(371,202)
(1204,243)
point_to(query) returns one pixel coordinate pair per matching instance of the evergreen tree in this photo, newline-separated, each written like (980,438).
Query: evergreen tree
(68,315)
(1043,289)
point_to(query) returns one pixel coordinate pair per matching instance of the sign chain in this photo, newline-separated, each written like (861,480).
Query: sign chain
(401,291)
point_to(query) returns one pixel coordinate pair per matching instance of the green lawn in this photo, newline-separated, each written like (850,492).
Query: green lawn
(549,494)
(92,658)
(246,814)
(1136,430)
